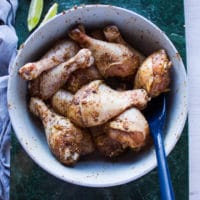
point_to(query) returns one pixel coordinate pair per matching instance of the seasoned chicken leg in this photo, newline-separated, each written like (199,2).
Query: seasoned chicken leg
(50,81)
(60,52)
(113,34)
(130,129)
(81,77)
(96,103)
(60,101)
(105,144)
(154,74)
(66,141)
(110,58)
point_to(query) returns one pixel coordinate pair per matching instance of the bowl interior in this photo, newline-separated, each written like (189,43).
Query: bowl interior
(96,171)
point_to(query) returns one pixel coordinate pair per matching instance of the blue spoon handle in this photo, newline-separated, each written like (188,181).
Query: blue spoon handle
(163,171)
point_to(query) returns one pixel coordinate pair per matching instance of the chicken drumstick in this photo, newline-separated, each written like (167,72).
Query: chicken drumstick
(60,52)
(50,81)
(66,141)
(110,58)
(113,34)
(154,74)
(130,129)
(96,103)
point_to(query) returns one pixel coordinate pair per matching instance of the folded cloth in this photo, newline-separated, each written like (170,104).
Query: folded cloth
(8,46)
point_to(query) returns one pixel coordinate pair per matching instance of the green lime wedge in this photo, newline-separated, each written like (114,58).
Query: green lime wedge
(34,13)
(51,13)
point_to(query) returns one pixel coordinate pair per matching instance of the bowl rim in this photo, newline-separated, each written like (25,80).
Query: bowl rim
(115,182)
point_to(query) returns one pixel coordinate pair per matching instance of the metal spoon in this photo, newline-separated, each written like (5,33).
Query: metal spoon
(156,115)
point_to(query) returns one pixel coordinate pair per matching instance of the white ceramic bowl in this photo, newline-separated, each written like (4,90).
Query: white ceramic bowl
(96,172)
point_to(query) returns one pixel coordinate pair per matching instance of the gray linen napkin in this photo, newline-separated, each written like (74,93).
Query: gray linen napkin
(8,46)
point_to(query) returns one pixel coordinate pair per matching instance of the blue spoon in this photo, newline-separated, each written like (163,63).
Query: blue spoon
(156,115)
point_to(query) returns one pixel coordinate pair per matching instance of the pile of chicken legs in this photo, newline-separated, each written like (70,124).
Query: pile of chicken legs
(80,112)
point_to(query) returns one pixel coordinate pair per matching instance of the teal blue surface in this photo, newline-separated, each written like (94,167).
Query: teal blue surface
(29,181)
